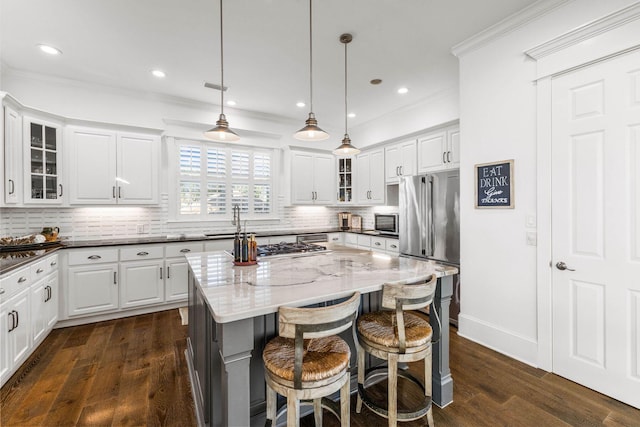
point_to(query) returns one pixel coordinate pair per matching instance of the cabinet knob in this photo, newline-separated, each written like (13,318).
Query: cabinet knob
(38,271)
(53,263)
(184,251)
(377,243)
(394,246)
(22,279)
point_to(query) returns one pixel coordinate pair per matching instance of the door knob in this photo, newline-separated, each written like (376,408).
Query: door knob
(562,266)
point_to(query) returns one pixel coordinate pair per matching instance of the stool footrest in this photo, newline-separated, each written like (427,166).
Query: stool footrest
(402,415)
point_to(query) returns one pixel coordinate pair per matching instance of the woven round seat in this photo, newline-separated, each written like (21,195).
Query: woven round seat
(380,328)
(322,358)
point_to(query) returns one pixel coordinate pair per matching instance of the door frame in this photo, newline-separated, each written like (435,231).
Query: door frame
(612,35)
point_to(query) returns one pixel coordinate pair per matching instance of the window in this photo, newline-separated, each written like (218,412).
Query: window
(211,179)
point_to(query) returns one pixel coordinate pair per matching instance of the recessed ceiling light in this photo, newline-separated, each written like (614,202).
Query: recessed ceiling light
(231,103)
(403,90)
(300,104)
(351,115)
(49,49)
(159,73)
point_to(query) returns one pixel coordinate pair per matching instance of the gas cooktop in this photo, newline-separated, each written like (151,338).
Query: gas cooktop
(284,248)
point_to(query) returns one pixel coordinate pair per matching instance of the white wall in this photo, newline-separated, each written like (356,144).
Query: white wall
(498,122)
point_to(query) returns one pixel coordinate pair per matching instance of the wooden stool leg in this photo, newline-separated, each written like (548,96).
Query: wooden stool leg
(392,391)
(360,377)
(272,399)
(345,404)
(317,412)
(293,409)
(427,385)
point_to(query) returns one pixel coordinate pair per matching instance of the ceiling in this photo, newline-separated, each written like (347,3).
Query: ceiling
(118,42)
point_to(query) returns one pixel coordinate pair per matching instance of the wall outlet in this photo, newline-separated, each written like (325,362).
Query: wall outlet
(140,228)
(532,238)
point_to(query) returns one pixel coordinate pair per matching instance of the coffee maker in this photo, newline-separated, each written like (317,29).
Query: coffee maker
(344,221)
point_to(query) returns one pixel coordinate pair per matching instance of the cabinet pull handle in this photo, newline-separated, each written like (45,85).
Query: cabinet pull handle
(397,170)
(13,186)
(160,273)
(142,253)
(53,263)
(184,251)
(377,243)
(444,160)
(401,171)
(119,192)
(115,277)
(13,323)
(38,271)
(17,319)
(61,190)
(113,191)
(1,291)
(335,239)
(448,156)
(394,246)
(46,293)
(50,293)
(22,279)
(168,272)
(94,257)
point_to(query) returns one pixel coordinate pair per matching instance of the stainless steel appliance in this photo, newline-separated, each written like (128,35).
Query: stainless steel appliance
(429,223)
(344,220)
(386,223)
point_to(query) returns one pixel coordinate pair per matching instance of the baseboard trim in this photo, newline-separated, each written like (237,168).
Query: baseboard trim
(83,320)
(506,342)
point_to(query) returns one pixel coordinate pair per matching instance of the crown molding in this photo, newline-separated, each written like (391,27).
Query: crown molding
(507,25)
(586,31)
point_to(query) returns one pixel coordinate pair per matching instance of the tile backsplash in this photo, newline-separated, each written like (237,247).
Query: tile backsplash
(83,223)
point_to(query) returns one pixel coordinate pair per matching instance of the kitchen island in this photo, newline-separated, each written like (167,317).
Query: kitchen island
(233,313)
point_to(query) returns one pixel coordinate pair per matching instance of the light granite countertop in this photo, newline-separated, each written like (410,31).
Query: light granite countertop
(233,292)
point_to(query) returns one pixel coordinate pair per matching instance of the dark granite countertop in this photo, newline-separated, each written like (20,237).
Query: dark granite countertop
(12,260)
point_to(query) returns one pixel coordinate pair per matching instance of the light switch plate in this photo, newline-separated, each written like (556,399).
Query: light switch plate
(530,221)
(532,238)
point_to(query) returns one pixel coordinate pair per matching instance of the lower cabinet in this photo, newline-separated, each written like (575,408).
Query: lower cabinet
(44,306)
(177,269)
(92,289)
(16,336)
(141,275)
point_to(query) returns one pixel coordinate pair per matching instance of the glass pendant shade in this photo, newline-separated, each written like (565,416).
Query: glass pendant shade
(346,149)
(221,132)
(311,131)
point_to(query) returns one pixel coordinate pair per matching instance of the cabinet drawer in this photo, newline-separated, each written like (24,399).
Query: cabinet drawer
(364,241)
(181,249)
(350,239)
(15,282)
(92,256)
(142,252)
(392,245)
(378,243)
(43,267)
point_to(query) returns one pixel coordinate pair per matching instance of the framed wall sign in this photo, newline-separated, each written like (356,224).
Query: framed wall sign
(494,185)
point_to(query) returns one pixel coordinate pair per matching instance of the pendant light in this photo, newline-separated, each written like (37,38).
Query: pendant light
(311,131)
(221,131)
(346,149)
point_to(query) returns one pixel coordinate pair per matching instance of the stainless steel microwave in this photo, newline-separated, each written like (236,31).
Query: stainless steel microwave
(386,223)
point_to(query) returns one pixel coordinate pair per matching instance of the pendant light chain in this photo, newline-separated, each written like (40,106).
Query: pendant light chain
(311,56)
(221,63)
(345,89)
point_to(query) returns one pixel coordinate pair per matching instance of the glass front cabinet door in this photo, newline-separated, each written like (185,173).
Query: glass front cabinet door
(345,180)
(43,155)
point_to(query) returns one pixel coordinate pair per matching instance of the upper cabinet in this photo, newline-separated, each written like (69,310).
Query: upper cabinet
(12,156)
(42,161)
(371,179)
(345,180)
(439,150)
(312,178)
(400,159)
(107,167)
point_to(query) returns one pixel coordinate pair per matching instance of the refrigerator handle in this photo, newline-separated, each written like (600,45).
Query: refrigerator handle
(432,227)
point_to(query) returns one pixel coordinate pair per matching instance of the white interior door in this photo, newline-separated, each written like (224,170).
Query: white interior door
(596,227)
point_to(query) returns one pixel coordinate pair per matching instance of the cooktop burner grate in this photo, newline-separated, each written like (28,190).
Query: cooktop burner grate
(284,248)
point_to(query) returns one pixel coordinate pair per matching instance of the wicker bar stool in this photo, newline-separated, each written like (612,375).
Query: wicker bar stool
(397,335)
(308,361)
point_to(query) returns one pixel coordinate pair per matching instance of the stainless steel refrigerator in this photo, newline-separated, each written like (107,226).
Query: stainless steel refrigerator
(429,221)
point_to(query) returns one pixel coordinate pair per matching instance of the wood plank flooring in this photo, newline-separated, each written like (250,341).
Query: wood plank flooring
(132,372)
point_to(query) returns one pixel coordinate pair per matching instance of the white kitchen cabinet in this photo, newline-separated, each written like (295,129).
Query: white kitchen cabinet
(363,241)
(141,275)
(42,164)
(345,180)
(92,281)
(351,240)
(370,178)
(400,159)
(336,238)
(12,156)
(439,150)
(312,179)
(108,167)
(44,297)
(177,269)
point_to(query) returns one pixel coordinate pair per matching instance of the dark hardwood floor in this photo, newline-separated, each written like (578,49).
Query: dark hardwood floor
(132,372)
